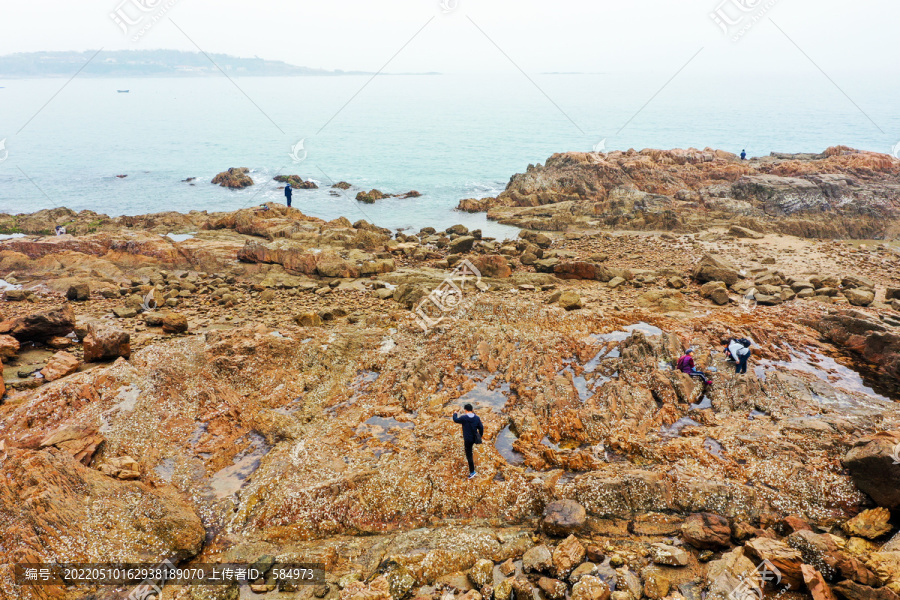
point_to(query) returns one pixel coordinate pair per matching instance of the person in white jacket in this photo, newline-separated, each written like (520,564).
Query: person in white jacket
(740,353)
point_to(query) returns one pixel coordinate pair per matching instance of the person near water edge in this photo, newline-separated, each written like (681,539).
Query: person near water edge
(472,431)
(743,155)
(288,191)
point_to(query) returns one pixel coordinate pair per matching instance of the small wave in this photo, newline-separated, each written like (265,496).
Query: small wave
(484,190)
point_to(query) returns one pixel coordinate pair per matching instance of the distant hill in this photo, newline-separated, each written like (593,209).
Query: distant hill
(147,63)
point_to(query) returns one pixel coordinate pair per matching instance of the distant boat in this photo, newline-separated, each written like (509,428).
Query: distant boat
(123,91)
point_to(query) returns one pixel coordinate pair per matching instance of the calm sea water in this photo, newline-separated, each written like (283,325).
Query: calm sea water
(447,136)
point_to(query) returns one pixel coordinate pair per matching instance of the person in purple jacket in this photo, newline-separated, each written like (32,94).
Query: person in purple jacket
(472,431)
(686,365)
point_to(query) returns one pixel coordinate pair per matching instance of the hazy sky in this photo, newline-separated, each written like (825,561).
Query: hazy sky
(539,36)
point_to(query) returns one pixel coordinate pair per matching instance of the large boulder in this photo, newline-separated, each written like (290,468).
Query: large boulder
(371,196)
(536,237)
(104,342)
(715,291)
(711,268)
(859,296)
(582,270)
(174,323)
(874,466)
(461,244)
(296,182)
(706,531)
(857,281)
(492,265)
(545,265)
(563,518)
(78,292)
(235,177)
(39,326)
(569,300)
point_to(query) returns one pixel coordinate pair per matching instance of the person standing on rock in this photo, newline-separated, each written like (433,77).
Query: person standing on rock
(472,430)
(288,191)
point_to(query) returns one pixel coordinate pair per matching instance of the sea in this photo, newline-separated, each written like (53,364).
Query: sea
(84,144)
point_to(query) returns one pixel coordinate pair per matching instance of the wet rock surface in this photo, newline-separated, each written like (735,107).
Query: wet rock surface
(270,388)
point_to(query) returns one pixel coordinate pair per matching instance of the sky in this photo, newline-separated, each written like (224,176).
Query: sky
(484,36)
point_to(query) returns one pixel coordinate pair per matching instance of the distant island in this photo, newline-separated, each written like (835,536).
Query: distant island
(148,63)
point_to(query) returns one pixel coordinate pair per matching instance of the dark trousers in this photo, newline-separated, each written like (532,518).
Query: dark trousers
(469,458)
(289,201)
(698,373)
(741,366)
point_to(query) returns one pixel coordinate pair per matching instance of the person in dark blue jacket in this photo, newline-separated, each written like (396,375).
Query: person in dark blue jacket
(288,190)
(472,430)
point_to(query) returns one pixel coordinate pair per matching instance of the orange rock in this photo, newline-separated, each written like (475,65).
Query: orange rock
(60,365)
(816,585)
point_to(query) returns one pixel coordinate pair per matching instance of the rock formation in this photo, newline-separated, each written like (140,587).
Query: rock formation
(839,193)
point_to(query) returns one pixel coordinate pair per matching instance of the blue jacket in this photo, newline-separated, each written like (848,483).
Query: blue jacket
(470,424)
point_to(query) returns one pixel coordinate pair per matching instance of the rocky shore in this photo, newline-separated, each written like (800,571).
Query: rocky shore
(266,387)
(841,193)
